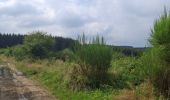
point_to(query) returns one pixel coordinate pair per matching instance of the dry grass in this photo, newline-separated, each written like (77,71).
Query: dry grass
(142,92)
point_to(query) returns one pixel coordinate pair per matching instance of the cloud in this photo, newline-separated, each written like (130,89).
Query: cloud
(18,9)
(121,22)
(73,21)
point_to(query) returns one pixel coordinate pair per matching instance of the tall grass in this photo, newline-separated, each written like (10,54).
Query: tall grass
(93,60)
(150,64)
(52,75)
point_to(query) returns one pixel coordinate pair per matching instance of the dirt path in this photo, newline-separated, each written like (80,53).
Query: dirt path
(15,86)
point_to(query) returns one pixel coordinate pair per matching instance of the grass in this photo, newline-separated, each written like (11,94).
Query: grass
(127,71)
(93,59)
(53,77)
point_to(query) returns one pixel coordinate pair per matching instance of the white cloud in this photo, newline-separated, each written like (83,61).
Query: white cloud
(121,22)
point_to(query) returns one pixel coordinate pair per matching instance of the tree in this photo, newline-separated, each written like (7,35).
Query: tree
(39,44)
(160,40)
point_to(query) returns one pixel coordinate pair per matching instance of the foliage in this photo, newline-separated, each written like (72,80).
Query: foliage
(8,40)
(6,51)
(160,40)
(53,77)
(117,55)
(20,52)
(144,91)
(65,55)
(63,43)
(127,72)
(38,44)
(93,62)
(129,50)
(150,64)
(160,32)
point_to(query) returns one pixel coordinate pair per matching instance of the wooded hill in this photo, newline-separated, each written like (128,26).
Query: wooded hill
(9,40)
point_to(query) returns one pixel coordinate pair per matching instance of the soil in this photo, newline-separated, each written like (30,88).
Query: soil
(15,86)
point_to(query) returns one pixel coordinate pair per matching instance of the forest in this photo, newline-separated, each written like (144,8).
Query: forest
(12,39)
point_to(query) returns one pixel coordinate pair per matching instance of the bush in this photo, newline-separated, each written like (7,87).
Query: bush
(78,77)
(7,51)
(38,44)
(127,71)
(118,55)
(94,60)
(65,55)
(20,52)
(150,64)
(160,40)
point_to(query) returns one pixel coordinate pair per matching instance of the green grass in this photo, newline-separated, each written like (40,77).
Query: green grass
(94,60)
(128,72)
(53,77)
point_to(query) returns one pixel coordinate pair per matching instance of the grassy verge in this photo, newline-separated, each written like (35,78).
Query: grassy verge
(52,75)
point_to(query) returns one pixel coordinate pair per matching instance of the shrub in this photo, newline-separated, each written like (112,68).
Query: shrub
(94,60)
(150,64)
(65,55)
(7,52)
(160,40)
(78,77)
(38,44)
(20,52)
(118,55)
(127,71)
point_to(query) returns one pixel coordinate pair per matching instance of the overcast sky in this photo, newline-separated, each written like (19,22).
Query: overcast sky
(121,22)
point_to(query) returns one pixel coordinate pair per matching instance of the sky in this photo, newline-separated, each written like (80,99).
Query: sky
(120,22)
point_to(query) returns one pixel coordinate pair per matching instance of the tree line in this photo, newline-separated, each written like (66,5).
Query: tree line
(11,39)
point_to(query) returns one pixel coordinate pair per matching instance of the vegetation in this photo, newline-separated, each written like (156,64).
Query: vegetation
(93,62)
(38,45)
(160,40)
(9,40)
(54,76)
(92,70)
(129,51)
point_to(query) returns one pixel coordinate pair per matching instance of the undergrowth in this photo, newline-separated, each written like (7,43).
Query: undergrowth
(54,77)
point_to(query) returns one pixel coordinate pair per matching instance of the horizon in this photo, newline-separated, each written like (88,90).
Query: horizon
(122,23)
(74,39)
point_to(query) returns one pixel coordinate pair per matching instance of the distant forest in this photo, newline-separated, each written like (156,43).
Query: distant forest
(9,40)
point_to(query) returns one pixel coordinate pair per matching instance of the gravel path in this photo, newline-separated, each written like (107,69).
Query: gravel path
(15,86)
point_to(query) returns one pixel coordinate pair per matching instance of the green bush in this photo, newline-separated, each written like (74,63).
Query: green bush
(20,52)
(127,72)
(94,60)
(118,55)
(38,44)
(2,51)
(78,77)
(160,40)
(7,51)
(150,64)
(65,55)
